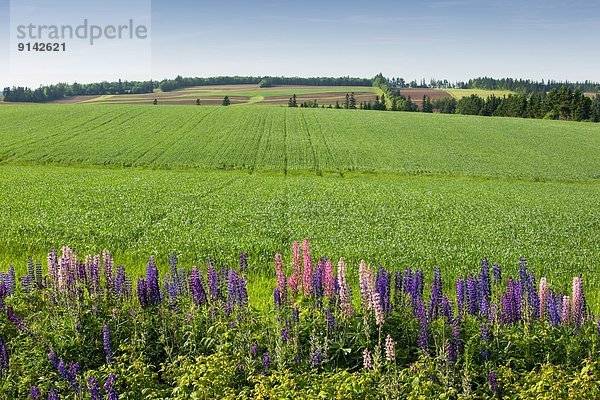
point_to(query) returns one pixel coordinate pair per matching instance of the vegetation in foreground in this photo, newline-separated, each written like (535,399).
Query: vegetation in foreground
(86,330)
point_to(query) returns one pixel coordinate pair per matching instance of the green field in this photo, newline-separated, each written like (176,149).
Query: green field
(400,189)
(299,140)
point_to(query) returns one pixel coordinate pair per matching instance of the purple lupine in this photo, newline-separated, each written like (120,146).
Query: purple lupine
(266,362)
(421,315)
(277,298)
(213,283)
(407,281)
(254,350)
(330,318)
(197,288)
(53,359)
(455,344)
(383,288)
(53,266)
(318,277)
(511,302)
(493,381)
(485,339)
(35,393)
(553,308)
(73,376)
(53,394)
(62,369)
(142,292)
(485,288)
(10,281)
(109,273)
(106,344)
(3,294)
(94,389)
(120,280)
(316,357)
(4,362)
(284,335)
(473,296)
(446,308)
(152,286)
(418,284)
(436,295)
(243,263)
(109,387)
(461,289)
(497,274)
(15,319)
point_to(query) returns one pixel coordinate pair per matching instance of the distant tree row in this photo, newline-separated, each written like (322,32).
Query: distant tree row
(268,81)
(528,86)
(62,90)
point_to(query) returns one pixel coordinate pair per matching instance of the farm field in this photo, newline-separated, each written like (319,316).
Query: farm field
(398,221)
(238,94)
(299,140)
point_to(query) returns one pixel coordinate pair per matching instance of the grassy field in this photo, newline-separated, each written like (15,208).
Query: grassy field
(394,188)
(287,140)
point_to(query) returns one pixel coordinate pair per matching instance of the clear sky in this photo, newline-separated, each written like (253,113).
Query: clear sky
(443,39)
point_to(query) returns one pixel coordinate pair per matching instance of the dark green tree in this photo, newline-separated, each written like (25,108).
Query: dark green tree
(226,101)
(352,101)
(197,102)
(155,102)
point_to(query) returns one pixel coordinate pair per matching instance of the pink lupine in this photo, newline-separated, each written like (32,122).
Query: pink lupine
(294,282)
(566,312)
(377,309)
(281,282)
(577,300)
(307,275)
(543,294)
(390,352)
(328,279)
(367,359)
(344,290)
(367,284)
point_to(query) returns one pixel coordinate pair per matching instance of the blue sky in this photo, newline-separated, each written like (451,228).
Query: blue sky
(445,39)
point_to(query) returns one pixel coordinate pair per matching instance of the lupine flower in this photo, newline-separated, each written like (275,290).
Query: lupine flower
(15,319)
(492,380)
(142,292)
(461,288)
(485,338)
(367,359)
(344,290)
(109,277)
(328,279)
(383,288)
(390,353)
(436,295)
(266,362)
(281,280)
(330,319)
(277,298)
(295,315)
(407,281)
(53,359)
(73,376)
(53,394)
(243,263)
(284,335)
(109,387)
(378,310)
(497,274)
(418,284)
(35,393)
(566,312)
(254,350)
(473,295)
(295,281)
(543,295)
(421,316)
(307,272)
(120,282)
(213,282)
(446,308)
(3,358)
(317,279)
(152,286)
(485,288)
(94,389)
(554,314)
(577,309)
(106,344)
(365,275)
(317,357)
(455,341)
(197,287)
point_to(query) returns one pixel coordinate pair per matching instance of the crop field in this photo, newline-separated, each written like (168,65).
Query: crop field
(238,94)
(299,140)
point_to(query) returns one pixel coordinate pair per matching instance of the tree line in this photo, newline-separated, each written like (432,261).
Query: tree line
(63,90)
